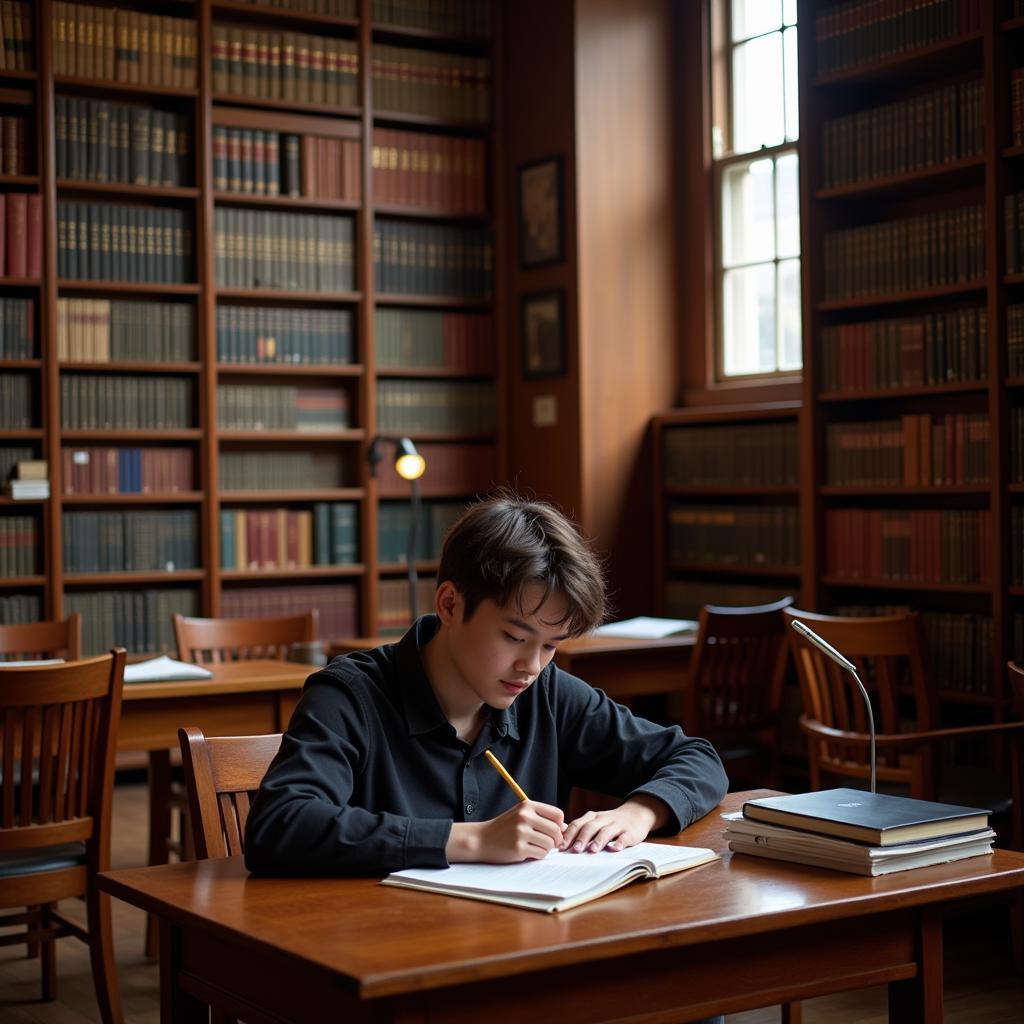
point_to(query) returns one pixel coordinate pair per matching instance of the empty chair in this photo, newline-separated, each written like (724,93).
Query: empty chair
(56,781)
(211,640)
(734,688)
(32,641)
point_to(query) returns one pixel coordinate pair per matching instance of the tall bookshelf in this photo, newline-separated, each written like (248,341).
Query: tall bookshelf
(239,376)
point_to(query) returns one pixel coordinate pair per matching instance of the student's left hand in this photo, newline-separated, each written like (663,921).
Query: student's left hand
(628,824)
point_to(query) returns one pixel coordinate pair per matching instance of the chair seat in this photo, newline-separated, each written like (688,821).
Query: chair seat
(52,858)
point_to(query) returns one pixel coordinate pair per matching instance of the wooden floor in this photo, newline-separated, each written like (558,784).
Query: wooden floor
(981,987)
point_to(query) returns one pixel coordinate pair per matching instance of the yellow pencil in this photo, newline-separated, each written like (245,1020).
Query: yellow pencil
(502,771)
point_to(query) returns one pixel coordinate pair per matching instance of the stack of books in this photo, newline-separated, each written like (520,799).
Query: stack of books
(863,833)
(29,480)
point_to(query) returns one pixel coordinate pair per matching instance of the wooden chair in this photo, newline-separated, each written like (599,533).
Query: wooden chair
(56,780)
(222,774)
(734,687)
(32,641)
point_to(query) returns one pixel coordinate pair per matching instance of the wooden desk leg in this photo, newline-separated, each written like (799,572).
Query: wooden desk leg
(159,827)
(176,1007)
(918,1000)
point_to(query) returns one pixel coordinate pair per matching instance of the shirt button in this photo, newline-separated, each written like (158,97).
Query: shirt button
(470,808)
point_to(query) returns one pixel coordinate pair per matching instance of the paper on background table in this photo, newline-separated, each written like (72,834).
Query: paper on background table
(36,663)
(163,670)
(646,627)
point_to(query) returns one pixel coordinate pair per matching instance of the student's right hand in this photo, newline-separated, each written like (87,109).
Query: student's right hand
(528,831)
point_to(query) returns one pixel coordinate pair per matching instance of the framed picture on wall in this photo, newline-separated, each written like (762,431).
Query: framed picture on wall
(543,327)
(541,228)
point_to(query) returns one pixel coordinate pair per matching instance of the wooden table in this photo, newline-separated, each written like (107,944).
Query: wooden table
(730,936)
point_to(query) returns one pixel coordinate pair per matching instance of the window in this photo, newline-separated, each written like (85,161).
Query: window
(755,168)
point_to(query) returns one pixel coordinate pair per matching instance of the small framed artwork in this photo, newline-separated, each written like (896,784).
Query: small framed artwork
(543,328)
(541,231)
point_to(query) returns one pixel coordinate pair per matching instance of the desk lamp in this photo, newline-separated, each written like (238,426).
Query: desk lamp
(409,465)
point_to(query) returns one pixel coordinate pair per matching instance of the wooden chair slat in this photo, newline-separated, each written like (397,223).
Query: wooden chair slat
(10,745)
(28,755)
(63,764)
(51,714)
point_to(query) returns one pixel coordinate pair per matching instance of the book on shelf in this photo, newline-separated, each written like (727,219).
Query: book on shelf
(560,881)
(775,842)
(27,490)
(876,818)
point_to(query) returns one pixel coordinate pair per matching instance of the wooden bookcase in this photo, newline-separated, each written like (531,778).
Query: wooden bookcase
(204,110)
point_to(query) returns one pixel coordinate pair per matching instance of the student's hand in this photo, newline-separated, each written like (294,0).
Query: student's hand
(528,831)
(628,824)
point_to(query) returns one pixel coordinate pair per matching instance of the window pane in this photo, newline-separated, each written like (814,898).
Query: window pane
(787,201)
(749,320)
(748,213)
(752,17)
(788,12)
(790,318)
(792,89)
(758,107)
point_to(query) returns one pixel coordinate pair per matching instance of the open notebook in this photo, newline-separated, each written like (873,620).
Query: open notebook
(560,881)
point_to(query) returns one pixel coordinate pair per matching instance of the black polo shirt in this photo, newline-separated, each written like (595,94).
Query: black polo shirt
(371,774)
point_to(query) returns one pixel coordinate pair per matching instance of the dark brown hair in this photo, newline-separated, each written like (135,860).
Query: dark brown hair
(505,543)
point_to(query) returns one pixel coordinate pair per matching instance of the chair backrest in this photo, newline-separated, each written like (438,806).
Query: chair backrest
(30,641)
(889,654)
(212,640)
(737,670)
(58,725)
(222,774)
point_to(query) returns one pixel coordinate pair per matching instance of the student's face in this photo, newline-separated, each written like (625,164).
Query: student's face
(500,651)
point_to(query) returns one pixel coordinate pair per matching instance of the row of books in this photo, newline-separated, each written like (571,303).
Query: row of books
(16,401)
(290,66)
(17,36)
(123,46)
(281,407)
(685,598)
(906,352)
(394,519)
(108,402)
(19,543)
(16,609)
(394,615)
(1017,106)
(908,545)
(137,541)
(757,535)
(108,470)
(267,163)
(957,645)
(427,339)
(10,456)
(1015,339)
(916,450)
(745,455)
(283,538)
(337,605)
(1013,209)
(17,328)
(461,17)
(112,330)
(938,126)
(17,156)
(431,84)
(332,8)
(927,251)
(281,471)
(439,173)
(432,259)
(107,242)
(436,406)
(127,144)
(261,334)
(858,32)
(453,468)
(138,620)
(21,235)
(305,252)
(1016,545)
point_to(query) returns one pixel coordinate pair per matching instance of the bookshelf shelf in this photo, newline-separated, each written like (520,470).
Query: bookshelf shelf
(953,174)
(434,302)
(19,179)
(1012,25)
(311,572)
(19,97)
(946,56)
(833,491)
(20,364)
(430,373)
(884,584)
(16,582)
(713,569)
(895,298)
(286,105)
(1013,152)
(287,497)
(408,34)
(129,436)
(738,491)
(292,436)
(282,202)
(393,119)
(126,288)
(74,82)
(962,387)
(136,366)
(278,14)
(415,213)
(20,282)
(318,370)
(1013,279)
(6,502)
(279,295)
(428,436)
(93,578)
(400,568)
(12,434)
(19,76)
(173,498)
(103,188)
(1015,487)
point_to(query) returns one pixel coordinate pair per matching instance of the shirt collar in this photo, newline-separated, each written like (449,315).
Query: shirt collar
(422,711)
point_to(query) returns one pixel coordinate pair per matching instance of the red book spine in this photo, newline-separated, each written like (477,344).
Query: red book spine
(35,237)
(17,230)
(3,235)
